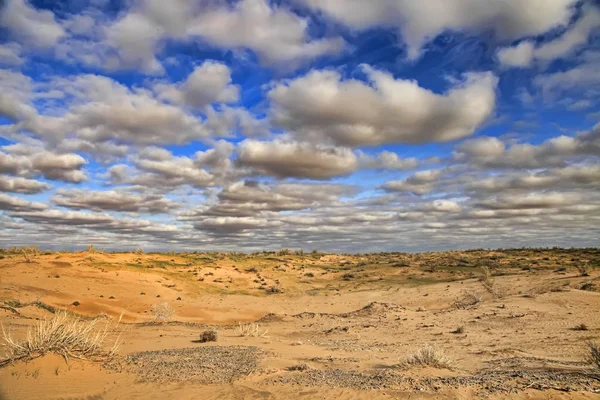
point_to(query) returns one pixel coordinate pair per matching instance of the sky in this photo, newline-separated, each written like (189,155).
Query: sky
(331,125)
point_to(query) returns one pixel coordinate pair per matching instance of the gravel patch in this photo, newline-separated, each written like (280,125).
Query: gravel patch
(485,382)
(206,364)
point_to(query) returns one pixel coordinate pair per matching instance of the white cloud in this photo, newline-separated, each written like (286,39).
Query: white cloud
(523,54)
(419,22)
(10,54)
(28,25)
(277,35)
(321,106)
(420,183)
(520,55)
(22,185)
(207,84)
(295,159)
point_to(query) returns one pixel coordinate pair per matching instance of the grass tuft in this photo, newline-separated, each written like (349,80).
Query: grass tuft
(62,334)
(250,330)
(594,354)
(429,356)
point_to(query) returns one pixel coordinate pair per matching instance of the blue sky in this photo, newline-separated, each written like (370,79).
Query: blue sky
(339,125)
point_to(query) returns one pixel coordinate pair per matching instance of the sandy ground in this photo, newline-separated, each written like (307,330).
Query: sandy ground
(331,326)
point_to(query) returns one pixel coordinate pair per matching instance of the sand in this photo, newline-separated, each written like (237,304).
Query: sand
(330,326)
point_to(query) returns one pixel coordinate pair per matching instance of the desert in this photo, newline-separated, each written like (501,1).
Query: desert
(503,324)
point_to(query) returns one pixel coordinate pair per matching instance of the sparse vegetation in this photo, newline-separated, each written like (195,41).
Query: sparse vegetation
(583,268)
(208,336)
(594,354)
(61,334)
(459,330)
(249,330)
(162,312)
(580,327)
(487,281)
(428,356)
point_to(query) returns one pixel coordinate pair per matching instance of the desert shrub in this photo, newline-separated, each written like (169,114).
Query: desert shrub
(162,312)
(459,330)
(284,252)
(138,250)
(208,336)
(580,327)
(428,356)
(62,334)
(594,354)
(298,367)
(274,289)
(249,330)
(487,281)
(91,248)
(583,268)
(468,300)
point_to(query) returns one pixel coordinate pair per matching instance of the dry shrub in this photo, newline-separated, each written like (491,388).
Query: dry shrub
(594,354)
(208,336)
(249,330)
(469,300)
(162,312)
(487,281)
(62,334)
(584,269)
(429,356)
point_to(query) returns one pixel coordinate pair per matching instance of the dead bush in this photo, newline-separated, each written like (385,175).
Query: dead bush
(250,330)
(208,336)
(62,334)
(594,354)
(162,312)
(428,356)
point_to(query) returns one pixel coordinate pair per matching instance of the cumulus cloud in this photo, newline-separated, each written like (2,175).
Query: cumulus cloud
(208,83)
(582,77)
(249,204)
(420,183)
(530,201)
(524,53)
(10,54)
(22,185)
(11,203)
(285,159)
(30,25)
(419,23)
(386,160)
(492,152)
(99,109)
(277,35)
(112,200)
(32,162)
(384,110)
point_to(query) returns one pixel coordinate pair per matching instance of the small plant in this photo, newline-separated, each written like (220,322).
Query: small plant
(249,330)
(468,300)
(208,336)
(298,367)
(580,327)
(459,330)
(429,356)
(274,289)
(487,281)
(162,312)
(584,269)
(594,354)
(91,249)
(138,250)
